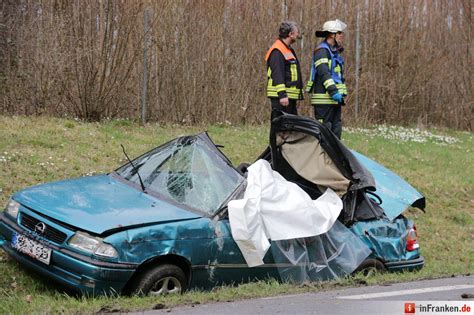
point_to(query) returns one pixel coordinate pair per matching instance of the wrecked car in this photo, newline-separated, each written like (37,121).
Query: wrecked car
(160,223)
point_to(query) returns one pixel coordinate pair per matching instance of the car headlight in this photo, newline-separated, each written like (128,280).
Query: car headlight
(12,208)
(93,245)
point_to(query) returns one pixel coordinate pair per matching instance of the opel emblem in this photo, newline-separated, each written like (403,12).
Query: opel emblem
(40,228)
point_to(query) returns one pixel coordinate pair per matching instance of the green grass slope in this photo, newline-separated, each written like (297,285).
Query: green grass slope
(439,163)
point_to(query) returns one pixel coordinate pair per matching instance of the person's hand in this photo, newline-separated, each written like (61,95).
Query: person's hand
(338,97)
(284,101)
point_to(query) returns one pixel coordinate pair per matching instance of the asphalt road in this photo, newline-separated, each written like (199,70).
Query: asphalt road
(426,295)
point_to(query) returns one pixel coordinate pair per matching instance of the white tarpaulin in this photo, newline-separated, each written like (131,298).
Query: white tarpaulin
(274,208)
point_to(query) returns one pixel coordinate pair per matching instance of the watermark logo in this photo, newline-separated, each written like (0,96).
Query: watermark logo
(438,307)
(409,308)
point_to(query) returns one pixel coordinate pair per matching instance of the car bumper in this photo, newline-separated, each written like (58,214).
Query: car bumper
(78,272)
(406,265)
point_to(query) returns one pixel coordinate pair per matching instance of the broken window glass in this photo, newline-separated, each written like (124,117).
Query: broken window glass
(188,171)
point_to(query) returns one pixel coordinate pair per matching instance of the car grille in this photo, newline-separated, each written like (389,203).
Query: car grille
(50,232)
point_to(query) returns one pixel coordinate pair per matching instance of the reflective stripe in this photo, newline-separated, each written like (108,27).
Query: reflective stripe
(291,92)
(328,83)
(320,98)
(270,82)
(272,90)
(309,86)
(320,61)
(272,94)
(323,102)
(269,75)
(294,72)
(341,87)
(280,87)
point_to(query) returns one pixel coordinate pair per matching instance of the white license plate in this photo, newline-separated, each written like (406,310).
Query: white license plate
(31,248)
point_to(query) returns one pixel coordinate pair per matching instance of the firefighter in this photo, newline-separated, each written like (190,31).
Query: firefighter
(285,85)
(326,83)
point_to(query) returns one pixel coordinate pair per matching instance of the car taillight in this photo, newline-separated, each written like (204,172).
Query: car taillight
(412,243)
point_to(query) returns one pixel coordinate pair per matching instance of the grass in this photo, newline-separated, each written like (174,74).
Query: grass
(37,150)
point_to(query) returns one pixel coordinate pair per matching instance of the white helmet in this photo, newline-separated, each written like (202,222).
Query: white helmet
(331,27)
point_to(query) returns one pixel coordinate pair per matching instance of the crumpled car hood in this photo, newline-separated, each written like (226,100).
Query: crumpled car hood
(396,194)
(99,203)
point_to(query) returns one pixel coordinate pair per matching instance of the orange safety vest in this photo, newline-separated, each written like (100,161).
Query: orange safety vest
(285,51)
(292,91)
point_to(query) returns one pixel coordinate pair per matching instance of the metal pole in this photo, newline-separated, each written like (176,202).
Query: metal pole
(357,65)
(145,63)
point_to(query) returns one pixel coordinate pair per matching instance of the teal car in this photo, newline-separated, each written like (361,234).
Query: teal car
(159,223)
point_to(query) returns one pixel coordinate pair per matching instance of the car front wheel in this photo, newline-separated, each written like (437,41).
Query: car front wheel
(161,280)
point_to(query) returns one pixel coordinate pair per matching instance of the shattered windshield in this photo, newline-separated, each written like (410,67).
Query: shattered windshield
(188,171)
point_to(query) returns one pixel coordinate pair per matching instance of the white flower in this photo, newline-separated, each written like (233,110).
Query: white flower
(401,134)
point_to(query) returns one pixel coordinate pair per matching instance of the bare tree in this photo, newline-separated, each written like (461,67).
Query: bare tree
(205,58)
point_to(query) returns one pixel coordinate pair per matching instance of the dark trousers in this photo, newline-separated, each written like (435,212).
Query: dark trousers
(290,109)
(330,115)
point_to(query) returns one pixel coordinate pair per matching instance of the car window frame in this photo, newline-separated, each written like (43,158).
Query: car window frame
(211,145)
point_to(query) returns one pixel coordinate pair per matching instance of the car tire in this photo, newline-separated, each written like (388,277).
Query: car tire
(369,266)
(162,279)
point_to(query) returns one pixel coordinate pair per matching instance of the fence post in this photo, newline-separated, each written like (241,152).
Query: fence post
(145,63)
